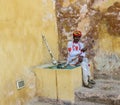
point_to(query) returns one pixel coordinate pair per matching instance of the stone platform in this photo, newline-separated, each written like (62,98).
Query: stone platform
(58,84)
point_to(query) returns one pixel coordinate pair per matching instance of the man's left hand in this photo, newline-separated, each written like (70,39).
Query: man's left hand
(80,58)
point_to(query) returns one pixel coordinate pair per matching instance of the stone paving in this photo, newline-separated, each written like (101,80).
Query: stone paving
(80,103)
(58,103)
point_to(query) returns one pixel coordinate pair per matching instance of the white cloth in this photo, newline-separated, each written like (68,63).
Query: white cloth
(74,49)
(85,71)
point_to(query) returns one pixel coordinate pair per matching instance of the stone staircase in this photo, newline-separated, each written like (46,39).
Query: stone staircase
(105,92)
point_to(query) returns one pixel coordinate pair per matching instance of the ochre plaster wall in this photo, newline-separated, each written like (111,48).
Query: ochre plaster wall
(21,45)
(108,55)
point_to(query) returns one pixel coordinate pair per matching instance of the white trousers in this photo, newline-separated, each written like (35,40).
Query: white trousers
(86,71)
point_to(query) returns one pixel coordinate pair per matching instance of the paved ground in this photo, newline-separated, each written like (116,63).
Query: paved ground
(80,103)
(105,92)
(77,103)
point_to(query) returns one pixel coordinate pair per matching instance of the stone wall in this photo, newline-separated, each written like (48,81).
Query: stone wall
(99,22)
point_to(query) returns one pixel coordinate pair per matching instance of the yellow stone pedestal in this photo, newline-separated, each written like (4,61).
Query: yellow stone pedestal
(58,83)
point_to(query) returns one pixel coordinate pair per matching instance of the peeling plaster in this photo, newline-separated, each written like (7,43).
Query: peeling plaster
(118,17)
(106,61)
(99,2)
(11,93)
(18,102)
(44,2)
(53,4)
(47,18)
(84,9)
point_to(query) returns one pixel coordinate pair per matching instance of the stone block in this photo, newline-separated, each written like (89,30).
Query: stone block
(58,84)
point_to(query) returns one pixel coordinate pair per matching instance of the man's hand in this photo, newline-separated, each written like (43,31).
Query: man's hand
(80,58)
(84,49)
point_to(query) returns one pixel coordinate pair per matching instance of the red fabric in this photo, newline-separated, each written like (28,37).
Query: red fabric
(76,47)
(69,49)
(77,33)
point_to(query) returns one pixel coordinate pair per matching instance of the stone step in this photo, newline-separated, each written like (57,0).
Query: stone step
(100,74)
(104,92)
(87,103)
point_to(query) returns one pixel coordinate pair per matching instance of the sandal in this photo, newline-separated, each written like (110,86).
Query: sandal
(89,85)
(91,81)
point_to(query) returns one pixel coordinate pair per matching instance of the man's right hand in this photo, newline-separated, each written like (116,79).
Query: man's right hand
(80,58)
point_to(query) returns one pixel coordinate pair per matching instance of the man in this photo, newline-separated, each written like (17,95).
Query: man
(77,56)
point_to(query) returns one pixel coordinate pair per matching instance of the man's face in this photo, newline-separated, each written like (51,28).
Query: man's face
(76,39)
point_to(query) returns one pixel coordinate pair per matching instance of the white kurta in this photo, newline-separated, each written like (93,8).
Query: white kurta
(74,49)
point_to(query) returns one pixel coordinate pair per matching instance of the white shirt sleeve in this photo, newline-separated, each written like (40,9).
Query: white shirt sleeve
(82,46)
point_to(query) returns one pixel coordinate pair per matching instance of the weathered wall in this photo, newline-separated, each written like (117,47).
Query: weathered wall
(21,45)
(99,21)
(69,15)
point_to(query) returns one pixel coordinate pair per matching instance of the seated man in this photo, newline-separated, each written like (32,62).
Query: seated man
(76,56)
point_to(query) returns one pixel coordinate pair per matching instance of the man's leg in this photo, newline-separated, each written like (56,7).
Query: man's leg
(90,78)
(86,73)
